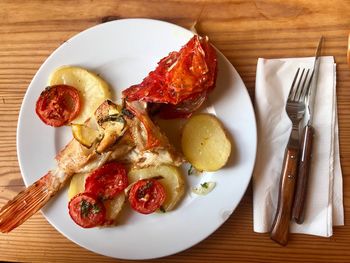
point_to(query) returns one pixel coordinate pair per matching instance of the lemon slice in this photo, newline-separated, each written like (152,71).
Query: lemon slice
(171,179)
(93,89)
(84,134)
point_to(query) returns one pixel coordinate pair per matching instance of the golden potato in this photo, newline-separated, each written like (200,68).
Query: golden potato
(93,89)
(114,207)
(172,181)
(205,143)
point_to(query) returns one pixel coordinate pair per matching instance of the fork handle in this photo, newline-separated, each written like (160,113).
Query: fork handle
(280,227)
(303,174)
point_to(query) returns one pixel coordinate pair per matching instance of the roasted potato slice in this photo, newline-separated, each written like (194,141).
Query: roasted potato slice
(93,89)
(205,143)
(169,176)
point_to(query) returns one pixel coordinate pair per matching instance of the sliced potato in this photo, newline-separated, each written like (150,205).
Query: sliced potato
(113,207)
(172,181)
(205,143)
(93,89)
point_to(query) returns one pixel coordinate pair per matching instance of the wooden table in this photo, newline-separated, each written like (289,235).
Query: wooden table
(243,31)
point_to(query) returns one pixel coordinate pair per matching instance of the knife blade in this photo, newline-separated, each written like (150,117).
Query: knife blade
(307,138)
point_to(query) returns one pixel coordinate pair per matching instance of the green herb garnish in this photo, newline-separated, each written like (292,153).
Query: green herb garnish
(84,208)
(144,189)
(190,170)
(95,209)
(204,185)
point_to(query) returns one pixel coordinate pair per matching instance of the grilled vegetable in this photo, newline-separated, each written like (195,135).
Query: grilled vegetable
(113,206)
(93,89)
(169,176)
(146,196)
(58,105)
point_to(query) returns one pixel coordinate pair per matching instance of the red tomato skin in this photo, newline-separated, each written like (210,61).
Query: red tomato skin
(107,181)
(91,219)
(58,105)
(149,201)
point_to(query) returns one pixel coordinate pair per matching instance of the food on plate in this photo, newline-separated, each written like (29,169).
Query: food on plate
(205,143)
(113,206)
(146,195)
(127,135)
(92,88)
(87,210)
(107,181)
(106,184)
(204,188)
(169,176)
(58,105)
(84,134)
(181,82)
(77,185)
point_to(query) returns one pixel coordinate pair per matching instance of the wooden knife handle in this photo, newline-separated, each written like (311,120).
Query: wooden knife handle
(303,174)
(280,227)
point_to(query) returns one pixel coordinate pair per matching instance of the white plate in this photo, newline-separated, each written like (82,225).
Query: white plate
(123,52)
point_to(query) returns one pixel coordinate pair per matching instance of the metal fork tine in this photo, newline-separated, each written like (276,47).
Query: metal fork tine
(303,86)
(299,86)
(307,87)
(292,88)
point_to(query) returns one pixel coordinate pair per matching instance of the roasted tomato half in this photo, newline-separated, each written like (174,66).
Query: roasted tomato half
(146,196)
(86,210)
(107,181)
(58,105)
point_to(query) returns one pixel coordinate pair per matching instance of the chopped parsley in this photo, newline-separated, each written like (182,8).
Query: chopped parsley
(95,209)
(141,193)
(190,170)
(205,185)
(193,171)
(84,208)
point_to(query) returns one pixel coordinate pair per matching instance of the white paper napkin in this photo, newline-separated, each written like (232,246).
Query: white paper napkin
(324,205)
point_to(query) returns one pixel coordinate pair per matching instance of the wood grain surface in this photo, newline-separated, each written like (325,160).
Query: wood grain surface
(243,31)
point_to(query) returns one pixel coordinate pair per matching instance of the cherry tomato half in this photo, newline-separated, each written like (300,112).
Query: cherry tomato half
(58,105)
(86,210)
(146,196)
(107,181)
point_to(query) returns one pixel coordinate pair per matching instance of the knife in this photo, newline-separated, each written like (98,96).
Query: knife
(307,138)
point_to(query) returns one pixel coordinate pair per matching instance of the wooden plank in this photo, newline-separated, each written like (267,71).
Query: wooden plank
(243,31)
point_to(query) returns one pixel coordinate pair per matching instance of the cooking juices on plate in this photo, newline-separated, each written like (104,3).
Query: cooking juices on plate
(118,153)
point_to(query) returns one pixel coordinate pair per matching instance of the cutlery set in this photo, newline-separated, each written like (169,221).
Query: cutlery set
(298,153)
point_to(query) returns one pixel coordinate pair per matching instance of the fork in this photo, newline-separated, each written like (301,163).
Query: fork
(295,108)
